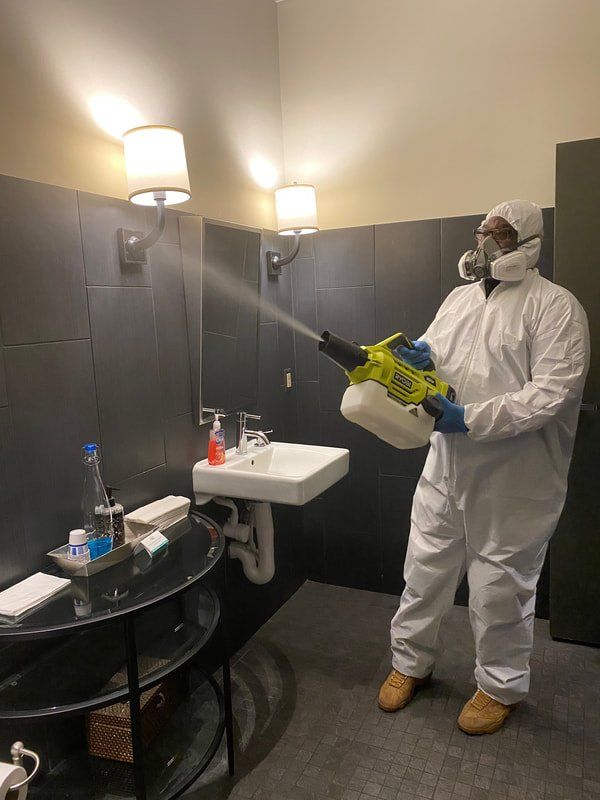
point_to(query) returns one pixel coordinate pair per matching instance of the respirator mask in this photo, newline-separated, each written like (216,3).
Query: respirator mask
(489,260)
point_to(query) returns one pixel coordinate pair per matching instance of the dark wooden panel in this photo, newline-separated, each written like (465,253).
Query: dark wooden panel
(309,417)
(402,463)
(270,393)
(14,563)
(575,553)
(576,257)
(101,217)
(127,380)
(344,257)
(407,274)
(546,261)
(303,277)
(276,292)
(144,488)
(190,232)
(353,551)
(53,406)
(42,285)
(349,313)
(171,329)
(314,539)
(395,502)
(457,238)
(185,444)
(3,392)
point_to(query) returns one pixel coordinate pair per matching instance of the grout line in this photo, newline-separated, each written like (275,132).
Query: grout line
(51,341)
(117,286)
(337,288)
(143,472)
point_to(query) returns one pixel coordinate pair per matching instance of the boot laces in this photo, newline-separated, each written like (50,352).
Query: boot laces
(397,680)
(480,700)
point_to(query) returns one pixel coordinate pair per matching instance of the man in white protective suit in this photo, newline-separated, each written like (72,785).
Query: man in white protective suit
(516,349)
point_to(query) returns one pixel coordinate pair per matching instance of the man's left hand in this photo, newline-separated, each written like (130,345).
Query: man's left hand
(452,419)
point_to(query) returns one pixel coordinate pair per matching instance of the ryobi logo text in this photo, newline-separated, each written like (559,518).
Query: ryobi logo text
(403,380)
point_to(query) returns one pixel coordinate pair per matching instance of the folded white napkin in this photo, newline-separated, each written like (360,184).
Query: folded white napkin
(28,594)
(162,513)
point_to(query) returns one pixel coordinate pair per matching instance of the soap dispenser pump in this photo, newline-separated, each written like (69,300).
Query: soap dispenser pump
(216,443)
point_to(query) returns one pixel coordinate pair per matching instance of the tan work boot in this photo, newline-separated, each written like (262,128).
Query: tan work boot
(398,690)
(483,714)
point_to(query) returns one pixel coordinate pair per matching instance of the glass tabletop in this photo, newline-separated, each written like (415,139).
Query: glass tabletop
(195,545)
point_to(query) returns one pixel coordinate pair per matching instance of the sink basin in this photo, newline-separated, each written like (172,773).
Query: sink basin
(292,474)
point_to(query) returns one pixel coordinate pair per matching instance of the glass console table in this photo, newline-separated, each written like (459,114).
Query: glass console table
(146,620)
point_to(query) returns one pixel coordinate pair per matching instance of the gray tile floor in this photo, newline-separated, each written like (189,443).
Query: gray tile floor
(308,726)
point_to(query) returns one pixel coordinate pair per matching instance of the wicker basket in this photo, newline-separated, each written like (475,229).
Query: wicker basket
(109,728)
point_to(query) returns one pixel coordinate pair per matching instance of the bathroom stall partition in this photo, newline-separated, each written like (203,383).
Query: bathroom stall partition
(575,550)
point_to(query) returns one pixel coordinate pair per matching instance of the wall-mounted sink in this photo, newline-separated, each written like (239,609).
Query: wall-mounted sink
(292,474)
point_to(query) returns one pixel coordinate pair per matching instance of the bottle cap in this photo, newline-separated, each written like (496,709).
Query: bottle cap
(216,424)
(78,537)
(90,448)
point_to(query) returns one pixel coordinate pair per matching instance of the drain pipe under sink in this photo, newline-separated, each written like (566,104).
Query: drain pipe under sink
(254,543)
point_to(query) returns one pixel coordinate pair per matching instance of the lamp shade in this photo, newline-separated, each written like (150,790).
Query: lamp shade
(296,207)
(155,162)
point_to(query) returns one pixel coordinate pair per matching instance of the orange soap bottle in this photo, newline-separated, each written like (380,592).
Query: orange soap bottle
(216,444)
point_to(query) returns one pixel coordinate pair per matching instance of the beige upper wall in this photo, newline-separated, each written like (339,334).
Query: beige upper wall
(209,67)
(398,109)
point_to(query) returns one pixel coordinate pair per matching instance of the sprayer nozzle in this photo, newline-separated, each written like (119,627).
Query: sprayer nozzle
(347,355)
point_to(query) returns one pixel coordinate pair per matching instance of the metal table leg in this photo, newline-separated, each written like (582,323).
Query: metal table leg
(134,706)
(228,704)
(226,671)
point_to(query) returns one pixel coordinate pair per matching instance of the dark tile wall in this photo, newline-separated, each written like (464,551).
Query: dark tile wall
(366,283)
(93,351)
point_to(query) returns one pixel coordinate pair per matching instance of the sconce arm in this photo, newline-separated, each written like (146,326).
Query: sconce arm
(274,260)
(133,246)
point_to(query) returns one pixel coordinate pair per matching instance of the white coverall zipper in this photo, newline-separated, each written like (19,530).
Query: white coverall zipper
(461,384)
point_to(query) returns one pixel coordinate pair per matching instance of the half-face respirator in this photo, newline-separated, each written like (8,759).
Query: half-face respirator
(489,260)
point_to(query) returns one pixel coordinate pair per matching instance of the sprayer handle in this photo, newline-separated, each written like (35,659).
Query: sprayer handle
(402,340)
(433,406)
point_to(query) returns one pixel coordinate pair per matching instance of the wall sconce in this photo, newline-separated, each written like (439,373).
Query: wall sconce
(296,207)
(156,175)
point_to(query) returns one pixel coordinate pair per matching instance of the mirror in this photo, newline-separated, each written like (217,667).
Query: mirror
(221,266)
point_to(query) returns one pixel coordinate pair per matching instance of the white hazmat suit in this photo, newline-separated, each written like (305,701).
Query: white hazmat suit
(488,501)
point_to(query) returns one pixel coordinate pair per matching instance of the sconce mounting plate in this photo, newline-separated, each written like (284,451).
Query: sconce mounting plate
(129,253)
(273,267)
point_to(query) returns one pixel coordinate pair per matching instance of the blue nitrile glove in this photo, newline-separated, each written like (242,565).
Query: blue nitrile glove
(452,419)
(418,358)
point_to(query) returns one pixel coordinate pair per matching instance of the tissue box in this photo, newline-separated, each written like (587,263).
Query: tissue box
(109,728)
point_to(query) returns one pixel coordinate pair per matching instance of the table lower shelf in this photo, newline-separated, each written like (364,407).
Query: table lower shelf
(172,762)
(32,682)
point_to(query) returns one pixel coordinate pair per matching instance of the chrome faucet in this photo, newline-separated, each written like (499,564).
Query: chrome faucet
(262,440)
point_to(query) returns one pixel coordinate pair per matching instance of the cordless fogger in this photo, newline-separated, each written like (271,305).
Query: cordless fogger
(386,395)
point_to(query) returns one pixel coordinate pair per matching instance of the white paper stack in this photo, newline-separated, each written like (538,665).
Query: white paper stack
(30,593)
(161,514)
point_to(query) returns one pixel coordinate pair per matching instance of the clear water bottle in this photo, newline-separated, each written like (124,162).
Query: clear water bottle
(97,513)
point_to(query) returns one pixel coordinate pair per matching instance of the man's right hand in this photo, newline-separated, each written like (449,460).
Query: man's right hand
(419,357)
